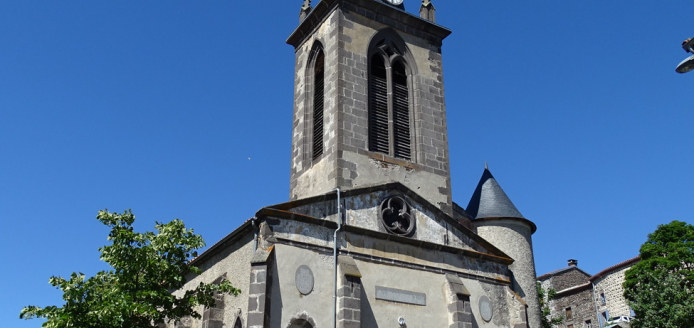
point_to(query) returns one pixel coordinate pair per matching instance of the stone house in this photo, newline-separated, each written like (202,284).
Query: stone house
(371,236)
(588,301)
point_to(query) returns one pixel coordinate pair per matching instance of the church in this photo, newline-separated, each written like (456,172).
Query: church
(370,236)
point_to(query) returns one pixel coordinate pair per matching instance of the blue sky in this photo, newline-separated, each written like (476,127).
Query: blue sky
(183,109)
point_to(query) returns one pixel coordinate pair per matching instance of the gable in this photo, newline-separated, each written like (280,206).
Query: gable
(364,208)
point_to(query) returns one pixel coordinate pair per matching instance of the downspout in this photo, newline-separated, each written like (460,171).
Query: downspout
(254,220)
(339,226)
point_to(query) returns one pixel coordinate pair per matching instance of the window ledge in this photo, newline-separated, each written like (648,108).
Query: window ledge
(393,160)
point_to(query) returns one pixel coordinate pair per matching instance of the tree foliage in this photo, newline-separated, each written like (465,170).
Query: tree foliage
(546,319)
(660,286)
(136,293)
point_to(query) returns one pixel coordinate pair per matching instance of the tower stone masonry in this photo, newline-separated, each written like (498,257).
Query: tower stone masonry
(346,36)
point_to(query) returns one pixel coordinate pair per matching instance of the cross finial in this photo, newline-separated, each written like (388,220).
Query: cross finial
(427,11)
(305,10)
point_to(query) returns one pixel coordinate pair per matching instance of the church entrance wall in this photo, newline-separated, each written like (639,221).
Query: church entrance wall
(302,289)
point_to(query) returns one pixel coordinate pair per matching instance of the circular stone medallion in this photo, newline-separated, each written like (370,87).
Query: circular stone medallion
(304,280)
(486,310)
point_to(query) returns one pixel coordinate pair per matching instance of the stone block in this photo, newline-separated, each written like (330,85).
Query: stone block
(255,319)
(456,307)
(261,276)
(253,304)
(344,314)
(256,289)
(215,324)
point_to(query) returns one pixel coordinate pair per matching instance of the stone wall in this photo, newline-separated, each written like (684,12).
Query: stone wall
(611,285)
(361,210)
(514,237)
(233,261)
(568,279)
(430,159)
(576,289)
(311,177)
(345,33)
(582,308)
(360,306)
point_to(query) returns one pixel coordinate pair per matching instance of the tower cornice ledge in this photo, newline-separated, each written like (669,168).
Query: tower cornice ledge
(533,227)
(385,14)
(267,212)
(286,209)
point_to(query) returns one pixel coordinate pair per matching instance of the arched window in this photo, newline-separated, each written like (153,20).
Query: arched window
(238,323)
(389,97)
(316,99)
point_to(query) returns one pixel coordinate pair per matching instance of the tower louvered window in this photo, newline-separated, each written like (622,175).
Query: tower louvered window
(389,103)
(318,104)
(378,111)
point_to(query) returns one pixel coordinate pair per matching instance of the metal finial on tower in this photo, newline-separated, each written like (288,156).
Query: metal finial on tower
(427,11)
(486,167)
(305,9)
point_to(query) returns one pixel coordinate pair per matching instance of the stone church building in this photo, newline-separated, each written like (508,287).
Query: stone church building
(371,236)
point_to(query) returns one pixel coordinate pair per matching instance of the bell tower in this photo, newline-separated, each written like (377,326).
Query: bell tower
(369,105)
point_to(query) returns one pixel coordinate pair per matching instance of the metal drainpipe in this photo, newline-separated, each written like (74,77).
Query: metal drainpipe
(339,226)
(597,311)
(254,220)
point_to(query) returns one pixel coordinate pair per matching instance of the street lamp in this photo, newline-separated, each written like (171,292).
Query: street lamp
(687,64)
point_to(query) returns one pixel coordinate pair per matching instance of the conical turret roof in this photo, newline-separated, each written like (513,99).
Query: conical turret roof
(490,201)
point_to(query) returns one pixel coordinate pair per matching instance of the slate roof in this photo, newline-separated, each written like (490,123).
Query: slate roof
(490,201)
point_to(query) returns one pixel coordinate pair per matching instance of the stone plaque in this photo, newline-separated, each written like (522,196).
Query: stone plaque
(486,309)
(400,296)
(304,280)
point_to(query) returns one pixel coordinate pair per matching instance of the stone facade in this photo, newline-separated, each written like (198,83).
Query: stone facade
(389,247)
(610,283)
(574,296)
(514,237)
(345,33)
(584,294)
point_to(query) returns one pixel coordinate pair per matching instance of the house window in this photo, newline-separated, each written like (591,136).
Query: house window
(588,324)
(602,298)
(389,100)
(568,313)
(316,76)
(604,317)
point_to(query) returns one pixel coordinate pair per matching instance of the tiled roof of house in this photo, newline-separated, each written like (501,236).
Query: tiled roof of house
(615,267)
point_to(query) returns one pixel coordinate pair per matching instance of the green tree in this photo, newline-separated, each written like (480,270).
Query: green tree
(547,320)
(136,293)
(660,287)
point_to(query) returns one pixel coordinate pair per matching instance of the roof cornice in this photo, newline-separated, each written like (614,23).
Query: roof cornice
(322,10)
(615,267)
(275,213)
(532,225)
(405,191)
